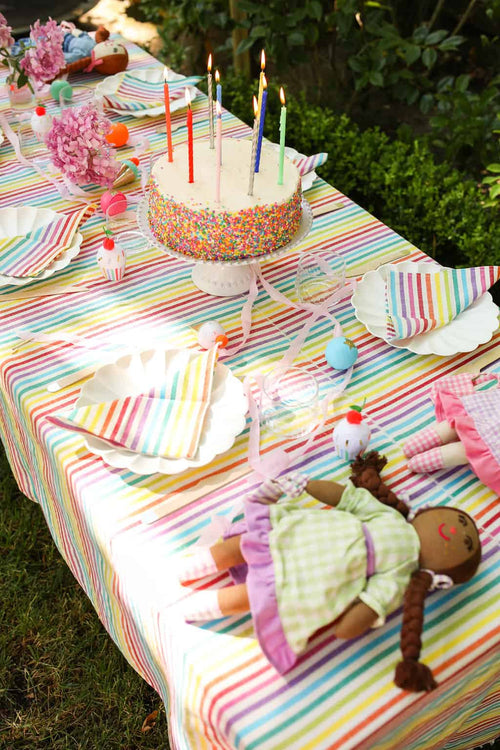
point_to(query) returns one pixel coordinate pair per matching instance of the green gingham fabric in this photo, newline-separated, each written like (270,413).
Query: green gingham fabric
(320,559)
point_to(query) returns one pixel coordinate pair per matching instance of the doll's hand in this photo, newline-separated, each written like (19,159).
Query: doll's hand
(414,676)
(355,621)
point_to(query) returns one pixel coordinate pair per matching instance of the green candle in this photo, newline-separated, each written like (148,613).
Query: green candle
(282,137)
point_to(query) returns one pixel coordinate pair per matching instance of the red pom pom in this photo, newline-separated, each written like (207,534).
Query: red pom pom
(135,160)
(40,111)
(108,243)
(354,417)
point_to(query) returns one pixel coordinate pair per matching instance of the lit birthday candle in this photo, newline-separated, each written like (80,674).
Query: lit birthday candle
(262,117)
(254,145)
(167,116)
(190,135)
(282,137)
(218,151)
(210,101)
(261,81)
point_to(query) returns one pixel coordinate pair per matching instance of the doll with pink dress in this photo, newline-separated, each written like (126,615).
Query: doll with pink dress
(466,431)
(298,568)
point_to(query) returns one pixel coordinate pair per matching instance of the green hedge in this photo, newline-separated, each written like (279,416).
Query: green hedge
(431,204)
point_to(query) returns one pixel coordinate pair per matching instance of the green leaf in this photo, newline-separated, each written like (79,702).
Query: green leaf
(258,32)
(429,57)
(244,45)
(462,83)
(296,38)
(315,10)
(436,36)
(451,43)
(490,180)
(495,167)
(411,53)
(494,191)
(376,78)
(426,103)
(356,64)
(420,34)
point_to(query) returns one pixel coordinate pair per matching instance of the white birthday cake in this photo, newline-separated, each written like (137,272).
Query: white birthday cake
(186,217)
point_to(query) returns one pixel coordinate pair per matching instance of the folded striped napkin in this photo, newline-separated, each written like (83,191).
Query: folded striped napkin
(306,164)
(166,421)
(420,302)
(135,94)
(28,255)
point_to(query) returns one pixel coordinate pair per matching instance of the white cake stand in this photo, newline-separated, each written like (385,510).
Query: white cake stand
(230,277)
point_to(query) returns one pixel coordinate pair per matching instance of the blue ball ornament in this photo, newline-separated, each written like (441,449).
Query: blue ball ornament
(341,353)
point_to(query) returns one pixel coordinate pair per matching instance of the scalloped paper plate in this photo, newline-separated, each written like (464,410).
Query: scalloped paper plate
(466,332)
(135,373)
(18,221)
(110,85)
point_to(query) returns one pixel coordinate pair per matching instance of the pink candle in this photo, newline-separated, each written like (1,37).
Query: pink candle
(218,151)
(190,135)
(167,117)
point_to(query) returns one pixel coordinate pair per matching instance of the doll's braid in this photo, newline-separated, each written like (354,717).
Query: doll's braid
(366,473)
(410,673)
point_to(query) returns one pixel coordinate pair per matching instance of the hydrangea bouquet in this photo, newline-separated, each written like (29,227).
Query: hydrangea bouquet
(35,60)
(78,146)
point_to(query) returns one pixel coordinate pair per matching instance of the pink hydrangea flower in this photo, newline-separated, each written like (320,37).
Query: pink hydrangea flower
(78,146)
(6,38)
(43,62)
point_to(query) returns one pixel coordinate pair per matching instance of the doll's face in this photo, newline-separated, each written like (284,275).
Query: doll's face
(448,538)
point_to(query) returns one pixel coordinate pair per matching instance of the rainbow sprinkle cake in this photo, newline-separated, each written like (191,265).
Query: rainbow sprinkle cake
(186,217)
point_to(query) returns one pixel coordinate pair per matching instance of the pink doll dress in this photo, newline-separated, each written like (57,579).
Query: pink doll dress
(306,565)
(471,405)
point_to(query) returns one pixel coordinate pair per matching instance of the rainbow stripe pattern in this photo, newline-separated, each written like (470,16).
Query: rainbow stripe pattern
(135,94)
(219,690)
(167,421)
(30,254)
(306,164)
(420,302)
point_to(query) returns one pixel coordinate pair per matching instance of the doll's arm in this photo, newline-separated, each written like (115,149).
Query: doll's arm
(325,491)
(355,621)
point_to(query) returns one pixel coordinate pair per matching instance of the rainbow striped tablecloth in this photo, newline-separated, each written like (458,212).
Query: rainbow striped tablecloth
(219,690)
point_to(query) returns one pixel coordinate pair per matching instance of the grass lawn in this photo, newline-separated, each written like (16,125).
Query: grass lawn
(63,683)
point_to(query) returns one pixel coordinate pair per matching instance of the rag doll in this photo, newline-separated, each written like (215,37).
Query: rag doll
(83,53)
(466,431)
(369,559)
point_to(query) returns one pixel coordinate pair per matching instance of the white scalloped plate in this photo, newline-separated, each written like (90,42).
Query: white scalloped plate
(135,373)
(16,221)
(472,327)
(109,86)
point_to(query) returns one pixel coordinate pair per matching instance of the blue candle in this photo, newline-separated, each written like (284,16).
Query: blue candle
(262,117)
(218,88)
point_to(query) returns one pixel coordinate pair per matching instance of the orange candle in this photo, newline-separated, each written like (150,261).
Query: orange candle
(190,135)
(167,117)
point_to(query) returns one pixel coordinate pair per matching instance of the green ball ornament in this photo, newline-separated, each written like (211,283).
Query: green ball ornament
(341,353)
(61,88)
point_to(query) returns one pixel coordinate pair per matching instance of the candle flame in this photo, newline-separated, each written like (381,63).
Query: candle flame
(217,76)
(262,60)
(165,74)
(255,106)
(218,109)
(264,81)
(282,96)
(209,63)
(187,97)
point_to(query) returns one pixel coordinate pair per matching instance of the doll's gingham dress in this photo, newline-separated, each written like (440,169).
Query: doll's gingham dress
(471,405)
(306,565)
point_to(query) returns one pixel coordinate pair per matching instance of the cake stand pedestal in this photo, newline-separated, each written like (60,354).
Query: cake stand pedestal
(224,278)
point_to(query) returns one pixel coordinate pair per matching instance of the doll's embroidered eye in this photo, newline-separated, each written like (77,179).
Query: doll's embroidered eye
(468,543)
(462,520)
